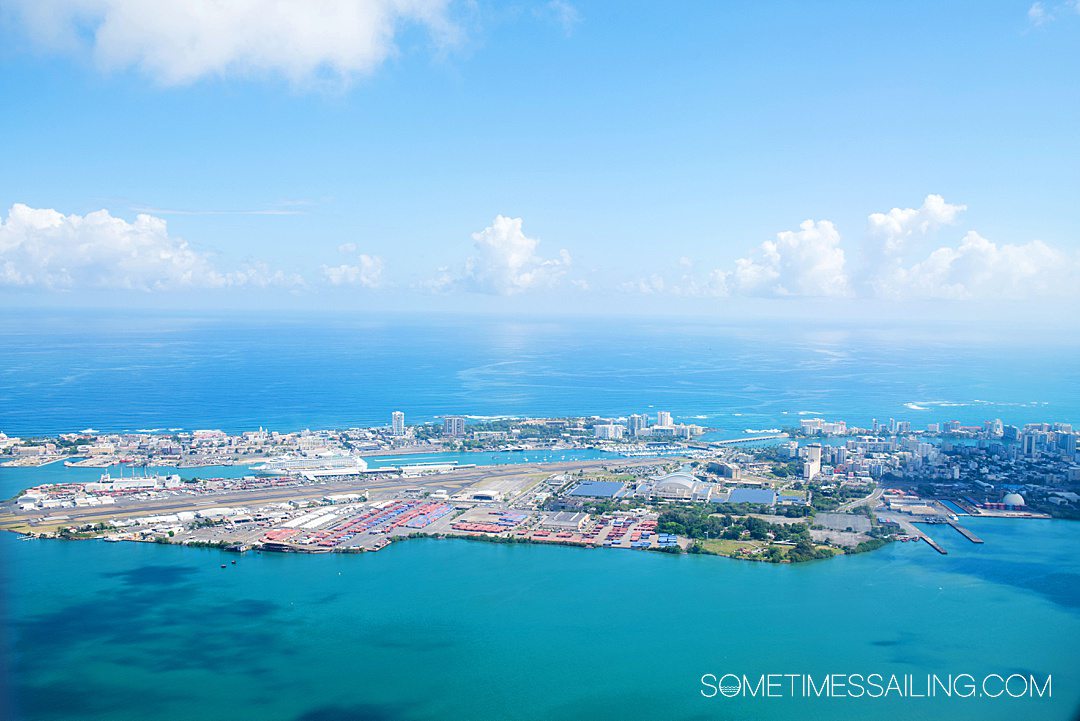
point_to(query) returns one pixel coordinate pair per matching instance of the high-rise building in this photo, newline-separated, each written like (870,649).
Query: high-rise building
(397,423)
(637,423)
(812,465)
(663,418)
(609,431)
(453,426)
(1028,443)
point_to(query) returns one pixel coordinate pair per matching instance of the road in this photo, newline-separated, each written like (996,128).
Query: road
(871,499)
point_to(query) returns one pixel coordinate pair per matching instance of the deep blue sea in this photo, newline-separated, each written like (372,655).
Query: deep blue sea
(138,371)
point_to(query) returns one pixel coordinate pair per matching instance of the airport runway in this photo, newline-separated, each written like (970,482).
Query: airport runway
(453,481)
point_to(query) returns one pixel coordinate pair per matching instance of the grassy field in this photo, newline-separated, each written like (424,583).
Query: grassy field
(618,477)
(728,547)
(740,549)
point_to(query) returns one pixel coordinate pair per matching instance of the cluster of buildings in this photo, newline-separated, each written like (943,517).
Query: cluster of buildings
(638,425)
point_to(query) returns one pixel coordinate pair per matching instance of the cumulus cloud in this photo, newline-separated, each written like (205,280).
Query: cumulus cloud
(811,262)
(504,262)
(48,249)
(181,42)
(889,235)
(804,262)
(980,268)
(366,272)
(900,223)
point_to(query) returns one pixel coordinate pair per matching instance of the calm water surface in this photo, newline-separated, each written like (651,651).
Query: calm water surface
(467,630)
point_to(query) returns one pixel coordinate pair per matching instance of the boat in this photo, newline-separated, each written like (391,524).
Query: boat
(322,464)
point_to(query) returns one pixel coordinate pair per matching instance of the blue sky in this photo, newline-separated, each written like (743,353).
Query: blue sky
(574,156)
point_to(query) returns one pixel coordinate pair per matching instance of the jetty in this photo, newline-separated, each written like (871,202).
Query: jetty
(965,532)
(934,545)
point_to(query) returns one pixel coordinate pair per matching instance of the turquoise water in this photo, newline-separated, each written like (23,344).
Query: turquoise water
(13,480)
(467,630)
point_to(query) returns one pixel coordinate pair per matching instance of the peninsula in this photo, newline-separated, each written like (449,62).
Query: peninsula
(636,482)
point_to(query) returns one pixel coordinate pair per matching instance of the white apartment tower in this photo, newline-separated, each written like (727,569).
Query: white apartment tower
(454,426)
(812,464)
(397,423)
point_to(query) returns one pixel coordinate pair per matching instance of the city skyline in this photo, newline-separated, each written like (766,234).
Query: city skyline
(392,161)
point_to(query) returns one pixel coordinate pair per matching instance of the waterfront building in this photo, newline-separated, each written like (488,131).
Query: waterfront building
(663,418)
(454,426)
(564,521)
(637,423)
(397,423)
(609,431)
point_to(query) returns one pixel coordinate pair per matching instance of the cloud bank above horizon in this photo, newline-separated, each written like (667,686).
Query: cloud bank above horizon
(45,250)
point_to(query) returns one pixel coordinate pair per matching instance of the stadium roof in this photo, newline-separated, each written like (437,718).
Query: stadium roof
(752,495)
(598,489)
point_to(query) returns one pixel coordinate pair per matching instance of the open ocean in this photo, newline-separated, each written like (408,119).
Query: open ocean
(464,630)
(136,371)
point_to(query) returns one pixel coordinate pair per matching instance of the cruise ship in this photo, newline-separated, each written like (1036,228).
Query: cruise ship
(325,464)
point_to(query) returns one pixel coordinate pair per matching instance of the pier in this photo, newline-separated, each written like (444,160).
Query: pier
(934,544)
(965,532)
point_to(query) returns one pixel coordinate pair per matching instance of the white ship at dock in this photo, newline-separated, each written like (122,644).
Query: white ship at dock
(313,466)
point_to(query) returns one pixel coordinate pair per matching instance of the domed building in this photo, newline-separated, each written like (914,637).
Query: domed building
(679,486)
(1014,500)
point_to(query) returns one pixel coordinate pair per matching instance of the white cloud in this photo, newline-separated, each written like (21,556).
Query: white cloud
(811,262)
(1037,14)
(900,223)
(181,42)
(367,272)
(505,262)
(565,15)
(1040,13)
(806,262)
(45,248)
(980,268)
